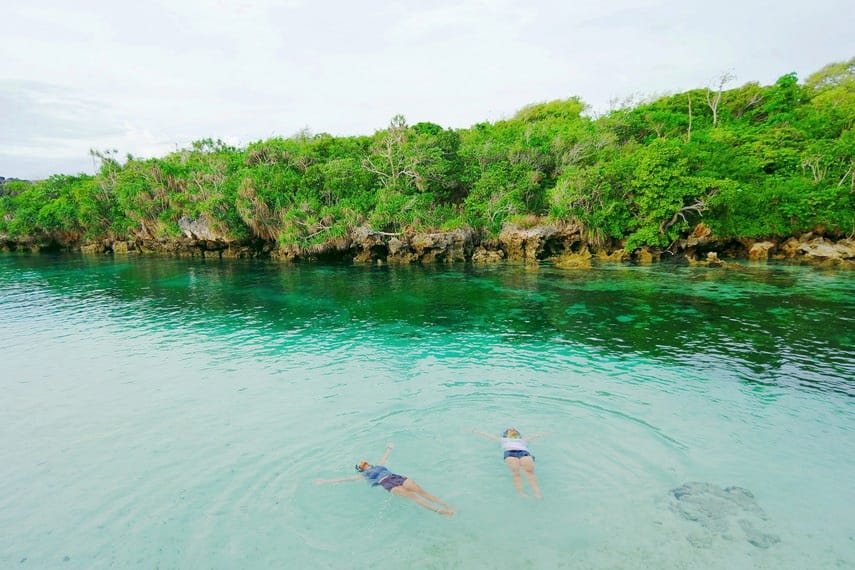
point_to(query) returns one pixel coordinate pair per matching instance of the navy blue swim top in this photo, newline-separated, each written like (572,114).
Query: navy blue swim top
(375,473)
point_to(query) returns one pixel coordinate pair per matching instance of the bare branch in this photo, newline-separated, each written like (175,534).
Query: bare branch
(697,207)
(714,100)
(849,174)
(817,169)
(689,130)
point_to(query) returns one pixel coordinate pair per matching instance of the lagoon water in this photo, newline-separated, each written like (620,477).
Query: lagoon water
(163,413)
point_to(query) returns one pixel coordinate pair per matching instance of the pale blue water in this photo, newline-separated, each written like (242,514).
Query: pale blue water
(165,413)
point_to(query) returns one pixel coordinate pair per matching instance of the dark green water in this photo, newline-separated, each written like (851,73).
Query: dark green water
(174,412)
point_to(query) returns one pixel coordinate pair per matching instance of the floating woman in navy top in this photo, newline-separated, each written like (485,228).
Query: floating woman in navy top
(518,458)
(395,484)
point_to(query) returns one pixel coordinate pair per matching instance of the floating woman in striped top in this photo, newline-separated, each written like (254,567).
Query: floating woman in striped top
(379,475)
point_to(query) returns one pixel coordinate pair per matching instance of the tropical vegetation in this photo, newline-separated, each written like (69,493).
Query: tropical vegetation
(750,162)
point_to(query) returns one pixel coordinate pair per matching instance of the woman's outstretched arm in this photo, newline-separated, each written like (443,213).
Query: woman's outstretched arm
(386,455)
(342,480)
(488,435)
(537,435)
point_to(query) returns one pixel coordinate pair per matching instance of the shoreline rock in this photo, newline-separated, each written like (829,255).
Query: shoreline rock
(565,246)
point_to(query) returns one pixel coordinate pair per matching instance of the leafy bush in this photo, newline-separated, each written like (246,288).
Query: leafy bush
(751,161)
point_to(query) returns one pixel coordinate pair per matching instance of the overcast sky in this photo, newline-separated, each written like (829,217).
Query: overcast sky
(148,77)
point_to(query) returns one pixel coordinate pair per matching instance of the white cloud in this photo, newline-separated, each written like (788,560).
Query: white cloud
(147,76)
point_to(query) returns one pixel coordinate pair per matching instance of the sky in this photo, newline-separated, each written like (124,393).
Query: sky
(149,77)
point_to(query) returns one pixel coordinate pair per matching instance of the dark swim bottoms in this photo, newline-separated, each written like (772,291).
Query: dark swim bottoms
(518,453)
(391,481)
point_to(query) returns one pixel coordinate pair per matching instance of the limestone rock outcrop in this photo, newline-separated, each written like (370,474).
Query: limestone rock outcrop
(525,244)
(385,247)
(565,244)
(820,249)
(201,228)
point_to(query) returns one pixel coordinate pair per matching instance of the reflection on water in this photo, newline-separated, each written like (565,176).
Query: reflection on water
(172,413)
(782,325)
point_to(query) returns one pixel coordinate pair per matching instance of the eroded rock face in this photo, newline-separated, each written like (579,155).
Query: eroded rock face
(760,250)
(789,248)
(370,245)
(7,244)
(200,228)
(525,244)
(646,255)
(567,244)
(488,252)
(445,247)
(808,247)
(616,255)
(701,235)
(711,260)
(729,513)
(93,248)
(821,249)
(579,260)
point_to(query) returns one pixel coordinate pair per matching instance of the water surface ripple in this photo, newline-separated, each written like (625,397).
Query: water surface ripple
(174,413)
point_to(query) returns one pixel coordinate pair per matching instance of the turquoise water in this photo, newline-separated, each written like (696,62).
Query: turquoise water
(163,413)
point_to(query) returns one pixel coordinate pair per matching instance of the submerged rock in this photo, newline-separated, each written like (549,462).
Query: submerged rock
(720,512)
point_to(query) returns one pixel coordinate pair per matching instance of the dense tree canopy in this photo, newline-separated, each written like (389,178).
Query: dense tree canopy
(752,161)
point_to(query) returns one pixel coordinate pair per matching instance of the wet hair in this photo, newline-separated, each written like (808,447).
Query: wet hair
(362,466)
(510,431)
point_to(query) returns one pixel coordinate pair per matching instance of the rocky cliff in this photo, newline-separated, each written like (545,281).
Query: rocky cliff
(564,245)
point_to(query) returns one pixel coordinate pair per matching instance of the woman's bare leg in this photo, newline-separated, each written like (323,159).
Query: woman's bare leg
(411,485)
(527,464)
(514,465)
(414,487)
(402,491)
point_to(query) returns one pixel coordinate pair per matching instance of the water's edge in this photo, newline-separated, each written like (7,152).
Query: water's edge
(566,245)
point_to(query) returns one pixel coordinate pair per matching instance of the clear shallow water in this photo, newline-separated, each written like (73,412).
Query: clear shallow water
(174,413)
